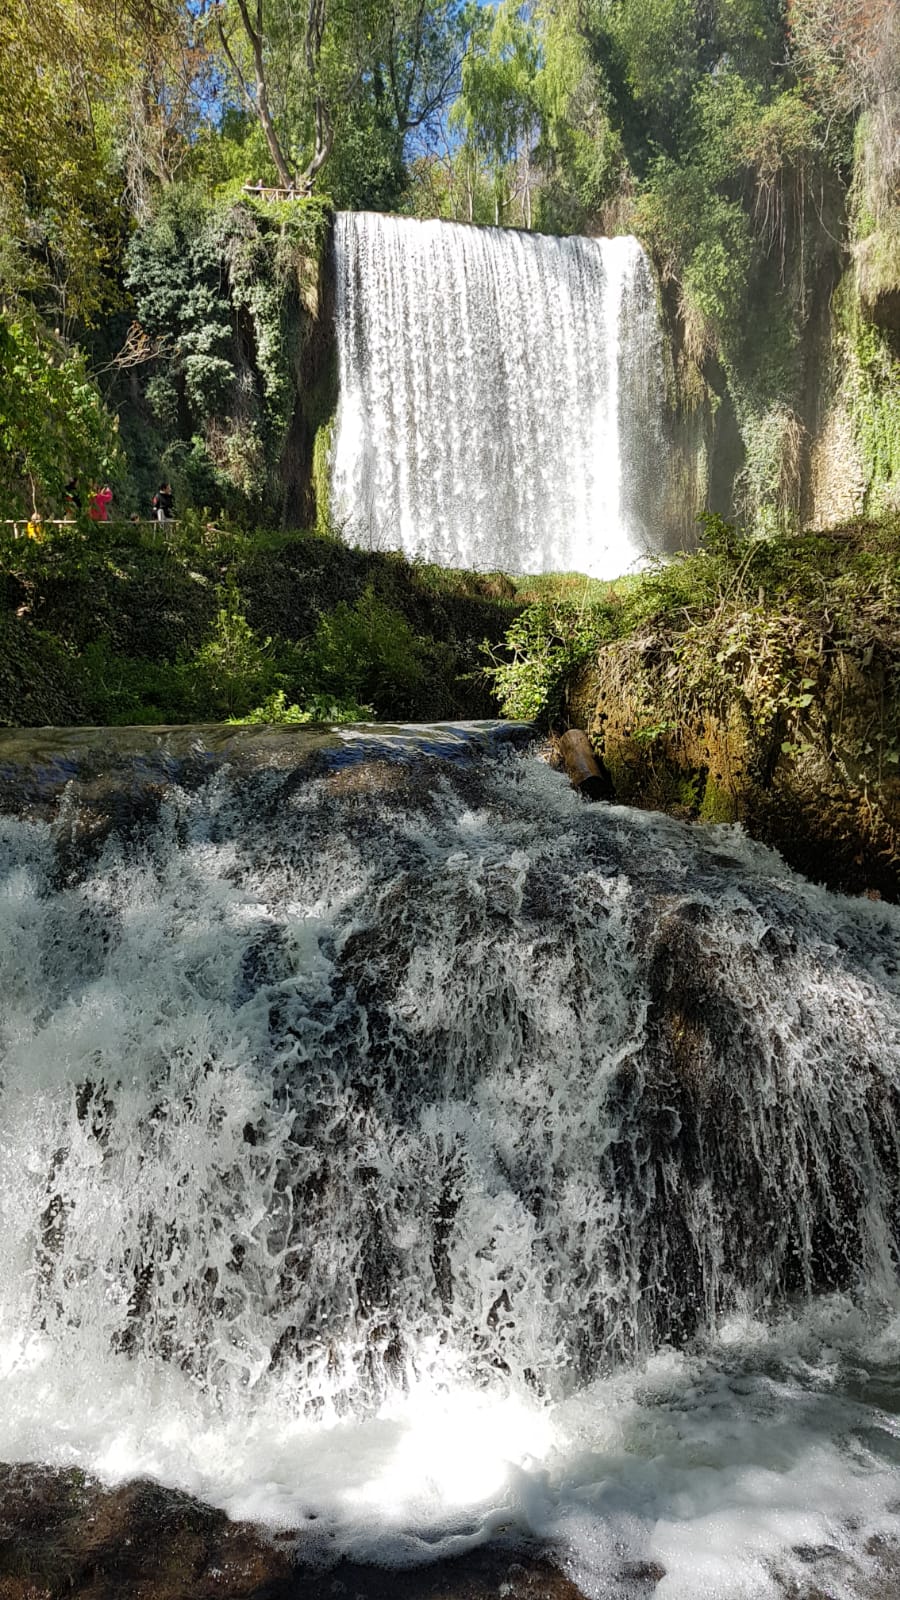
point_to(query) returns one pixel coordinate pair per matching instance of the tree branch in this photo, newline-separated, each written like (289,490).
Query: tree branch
(229,56)
(286,177)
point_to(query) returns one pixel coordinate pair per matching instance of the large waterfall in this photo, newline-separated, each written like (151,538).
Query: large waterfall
(396,1152)
(501,397)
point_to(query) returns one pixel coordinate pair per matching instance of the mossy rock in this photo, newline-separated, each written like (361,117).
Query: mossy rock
(827,798)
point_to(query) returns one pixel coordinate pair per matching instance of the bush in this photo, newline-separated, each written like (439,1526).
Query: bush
(369,652)
(744,615)
(233,668)
(547,642)
(318,708)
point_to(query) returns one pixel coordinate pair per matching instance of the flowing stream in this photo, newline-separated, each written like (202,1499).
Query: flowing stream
(501,397)
(400,1151)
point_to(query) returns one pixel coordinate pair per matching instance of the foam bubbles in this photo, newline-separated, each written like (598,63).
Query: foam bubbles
(461,1161)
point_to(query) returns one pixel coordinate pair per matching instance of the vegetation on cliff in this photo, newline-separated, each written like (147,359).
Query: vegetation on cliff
(112,624)
(752,146)
(755,681)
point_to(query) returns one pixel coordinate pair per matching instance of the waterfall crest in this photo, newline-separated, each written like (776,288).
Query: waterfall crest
(500,396)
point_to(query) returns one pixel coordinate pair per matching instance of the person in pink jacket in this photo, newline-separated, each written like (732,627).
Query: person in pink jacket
(99,503)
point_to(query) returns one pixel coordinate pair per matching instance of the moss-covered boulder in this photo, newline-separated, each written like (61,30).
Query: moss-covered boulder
(761,685)
(817,779)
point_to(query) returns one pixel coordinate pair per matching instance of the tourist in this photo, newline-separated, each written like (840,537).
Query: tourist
(163,503)
(99,501)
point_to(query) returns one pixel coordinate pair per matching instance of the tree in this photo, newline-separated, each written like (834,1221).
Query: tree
(53,424)
(498,109)
(164,110)
(360,79)
(64,67)
(259,42)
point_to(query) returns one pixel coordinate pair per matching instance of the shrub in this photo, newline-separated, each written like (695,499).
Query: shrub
(547,642)
(368,652)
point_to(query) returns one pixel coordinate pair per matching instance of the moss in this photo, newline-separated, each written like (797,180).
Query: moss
(718,804)
(877,261)
(867,358)
(321,474)
(760,683)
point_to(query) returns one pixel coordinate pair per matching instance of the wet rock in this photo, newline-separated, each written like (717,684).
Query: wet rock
(102,780)
(62,1535)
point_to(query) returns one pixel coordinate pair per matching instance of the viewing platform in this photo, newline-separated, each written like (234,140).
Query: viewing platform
(262,191)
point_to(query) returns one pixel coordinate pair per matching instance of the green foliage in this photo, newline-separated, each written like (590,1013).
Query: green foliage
(321,474)
(340,90)
(366,171)
(704,241)
(320,708)
(659,46)
(368,652)
(138,625)
(126,691)
(174,271)
(497,104)
(64,70)
(872,380)
(545,645)
(739,621)
(233,667)
(718,268)
(767,489)
(731,202)
(226,293)
(228,154)
(53,424)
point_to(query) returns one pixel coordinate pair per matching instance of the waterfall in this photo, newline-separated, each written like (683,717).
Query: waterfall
(500,397)
(391,1149)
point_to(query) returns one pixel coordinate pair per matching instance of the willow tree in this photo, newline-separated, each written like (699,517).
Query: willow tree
(498,109)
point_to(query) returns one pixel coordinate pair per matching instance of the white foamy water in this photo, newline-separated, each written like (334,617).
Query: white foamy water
(501,396)
(408,1165)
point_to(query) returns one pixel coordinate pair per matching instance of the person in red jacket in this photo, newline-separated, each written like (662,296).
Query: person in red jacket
(99,503)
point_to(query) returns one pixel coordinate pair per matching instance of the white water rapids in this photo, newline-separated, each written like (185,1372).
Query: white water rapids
(405,1159)
(501,397)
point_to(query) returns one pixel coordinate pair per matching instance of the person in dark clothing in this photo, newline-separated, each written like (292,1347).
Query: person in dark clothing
(73,498)
(163,503)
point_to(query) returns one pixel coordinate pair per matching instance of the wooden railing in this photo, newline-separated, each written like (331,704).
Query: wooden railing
(27,527)
(261,191)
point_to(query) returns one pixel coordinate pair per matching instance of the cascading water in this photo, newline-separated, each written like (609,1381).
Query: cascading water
(501,397)
(417,1149)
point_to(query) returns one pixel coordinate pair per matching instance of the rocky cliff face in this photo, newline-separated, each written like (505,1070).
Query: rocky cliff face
(797,424)
(813,773)
(234,301)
